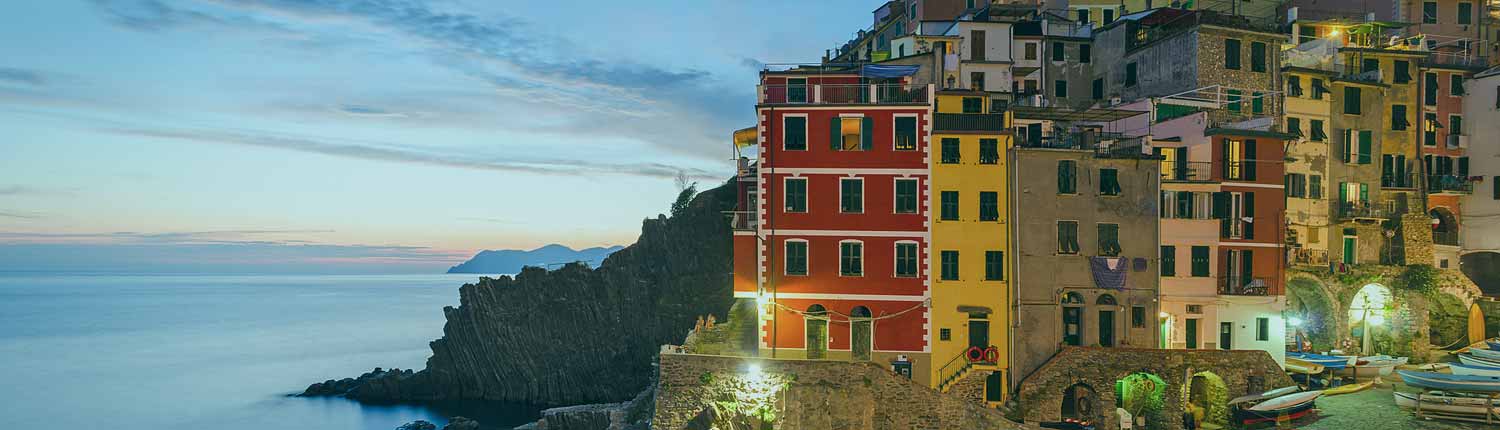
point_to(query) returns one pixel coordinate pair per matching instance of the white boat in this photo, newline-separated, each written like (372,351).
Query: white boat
(1447,382)
(1371,367)
(1469,369)
(1476,361)
(1446,403)
(1487,354)
(1266,395)
(1286,401)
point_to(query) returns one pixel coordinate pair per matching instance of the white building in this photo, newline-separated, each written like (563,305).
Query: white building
(1481,209)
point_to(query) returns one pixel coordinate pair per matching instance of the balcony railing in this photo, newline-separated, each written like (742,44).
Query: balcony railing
(1399,181)
(1449,184)
(1242,286)
(1449,238)
(1352,210)
(1240,170)
(1455,59)
(1310,257)
(968,122)
(844,94)
(1193,171)
(1354,72)
(743,221)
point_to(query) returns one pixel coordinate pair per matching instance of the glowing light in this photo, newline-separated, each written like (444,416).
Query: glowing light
(1295,322)
(1165,315)
(753,370)
(1376,319)
(1333,33)
(1371,300)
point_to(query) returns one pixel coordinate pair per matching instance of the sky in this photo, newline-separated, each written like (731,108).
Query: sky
(382,136)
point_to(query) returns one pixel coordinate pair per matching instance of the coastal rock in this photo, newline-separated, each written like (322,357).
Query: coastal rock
(461,423)
(573,335)
(632,415)
(418,425)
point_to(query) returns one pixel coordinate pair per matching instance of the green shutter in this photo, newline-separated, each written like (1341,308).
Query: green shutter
(1250,212)
(1257,104)
(833,133)
(1364,193)
(867,134)
(1364,147)
(1250,160)
(1343,192)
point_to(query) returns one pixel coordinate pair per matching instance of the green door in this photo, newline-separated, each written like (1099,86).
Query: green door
(1192,333)
(1348,250)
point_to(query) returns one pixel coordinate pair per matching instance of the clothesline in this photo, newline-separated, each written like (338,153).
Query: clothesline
(849,318)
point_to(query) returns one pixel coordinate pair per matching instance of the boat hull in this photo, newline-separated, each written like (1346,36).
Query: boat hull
(1445,404)
(1327,361)
(1248,416)
(1303,367)
(1469,369)
(1476,361)
(1442,381)
(1348,388)
(1487,354)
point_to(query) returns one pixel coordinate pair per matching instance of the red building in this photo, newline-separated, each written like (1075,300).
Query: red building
(1251,207)
(1444,146)
(832,233)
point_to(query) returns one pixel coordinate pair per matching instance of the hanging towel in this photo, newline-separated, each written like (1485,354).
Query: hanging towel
(1109,272)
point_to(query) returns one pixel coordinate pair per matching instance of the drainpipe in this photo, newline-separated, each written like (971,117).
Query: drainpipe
(1015,257)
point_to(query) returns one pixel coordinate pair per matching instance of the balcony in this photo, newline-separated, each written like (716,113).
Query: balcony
(1310,257)
(1399,181)
(968,122)
(1361,210)
(1449,184)
(1193,171)
(1457,59)
(743,221)
(1242,286)
(1447,238)
(1240,170)
(844,94)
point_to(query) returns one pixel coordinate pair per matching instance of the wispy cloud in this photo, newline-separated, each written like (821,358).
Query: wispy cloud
(23,76)
(19,215)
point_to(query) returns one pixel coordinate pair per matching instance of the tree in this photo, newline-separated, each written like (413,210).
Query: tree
(686,189)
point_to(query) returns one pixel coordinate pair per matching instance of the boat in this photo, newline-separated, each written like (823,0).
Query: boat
(1348,388)
(1474,370)
(1371,367)
(1299,366)
(1476,361)
(1288,407)
(1443,402)
(1476,345)
(1493,344)
(1443,381)
(1329,362)
(1487,354)
(1252,398)
(1429,367)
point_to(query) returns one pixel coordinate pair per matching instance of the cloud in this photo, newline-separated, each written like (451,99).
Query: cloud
(368,111)
(402,154)
(23,76)
(19,215)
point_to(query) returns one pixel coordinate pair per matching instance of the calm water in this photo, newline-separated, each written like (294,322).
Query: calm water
(222,352)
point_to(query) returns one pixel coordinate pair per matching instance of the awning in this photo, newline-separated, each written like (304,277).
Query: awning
(887,71)
(745,137)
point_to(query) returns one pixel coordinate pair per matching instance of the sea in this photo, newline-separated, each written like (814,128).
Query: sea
(163,352)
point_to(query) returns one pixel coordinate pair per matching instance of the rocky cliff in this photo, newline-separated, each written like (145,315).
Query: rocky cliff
(573,335)
(512,260)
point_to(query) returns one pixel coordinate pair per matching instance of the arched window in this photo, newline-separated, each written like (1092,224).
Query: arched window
(1106,299)
(1072,298)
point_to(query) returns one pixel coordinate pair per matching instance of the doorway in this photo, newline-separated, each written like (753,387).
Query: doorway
(1192,333)
(815,323)
(1106,328)
(1349,248)
(861,334)
(1072,327)
(1226,335)
(979,334)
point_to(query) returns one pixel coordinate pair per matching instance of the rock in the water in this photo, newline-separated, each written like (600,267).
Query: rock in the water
(461,423)
(574,335)
(418,425)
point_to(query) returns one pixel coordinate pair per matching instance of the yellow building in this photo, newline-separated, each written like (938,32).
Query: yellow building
(970,313)
(1308,114)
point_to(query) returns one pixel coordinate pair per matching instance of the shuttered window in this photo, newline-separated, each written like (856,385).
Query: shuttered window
(1067,237)
(948,205)
(1168,260)
(906,133)
(794,133)
(851,133)
(1109,182)
(994,266)
(906,196)
(1232,54)
(796,195)
(1109,239)
(989,151)
(796,257)
(851,259)
(952,152)
(1200,261)
(949,265)
(851,195)
(1067,177)
(1257,56)
(989,206)
(906,260)
(1351,100)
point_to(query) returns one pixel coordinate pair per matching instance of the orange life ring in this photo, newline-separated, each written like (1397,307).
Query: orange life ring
(992,355)
(974,354)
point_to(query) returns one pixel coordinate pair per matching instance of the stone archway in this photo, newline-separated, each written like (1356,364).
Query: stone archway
(1368,314)
(1447,321)
(1484,269)
(1444,226)
(1312,312)
(1081,402)
(1143,395)
(1207,398)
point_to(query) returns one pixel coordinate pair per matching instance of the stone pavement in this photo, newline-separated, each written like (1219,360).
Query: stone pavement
(1372,409)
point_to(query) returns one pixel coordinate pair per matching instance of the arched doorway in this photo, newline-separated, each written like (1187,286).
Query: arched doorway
(862,335)
(1107,306)
(1072,318)
(1447,321)
(1484,269)
(1310,321)
(815,323)
(1367,315)
(1080,402)
(1142,395)
(1207,399)
(1444,227)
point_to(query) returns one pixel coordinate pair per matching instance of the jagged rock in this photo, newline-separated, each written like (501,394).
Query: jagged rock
(574,335)
(633,415)
(418,425)
(461,423)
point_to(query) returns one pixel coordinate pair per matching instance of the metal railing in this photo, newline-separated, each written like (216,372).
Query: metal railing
(1449,184)
(1192,171)
(1310,257)
(968,122)
(1352,210)
(1408,180)
(743,220)
(1240,170)
(1449,238)
(844,94)
(1356,72)
(959,365)
(1242,286)
(1460,60)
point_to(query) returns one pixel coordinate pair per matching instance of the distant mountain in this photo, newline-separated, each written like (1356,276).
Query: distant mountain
(510,261)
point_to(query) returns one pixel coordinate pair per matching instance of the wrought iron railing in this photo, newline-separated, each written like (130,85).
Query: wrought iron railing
(1449,238)
(1352,210)
(1310,257)
(844,94)
(1242,286)
(1192,171)
(1449,184)
(959,365)
(1408,180)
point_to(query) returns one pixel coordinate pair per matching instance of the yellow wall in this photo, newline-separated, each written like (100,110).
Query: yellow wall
(971,238)
(1311,217)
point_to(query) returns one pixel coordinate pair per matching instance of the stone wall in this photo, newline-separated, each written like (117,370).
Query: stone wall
(1416,236)
(701,392)
(1041,394)
(1407,329)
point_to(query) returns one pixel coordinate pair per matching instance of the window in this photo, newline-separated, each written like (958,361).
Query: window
(1465,13)
(1262,329)
(1097,91)
(1232,54)
(973,105)
(851,133)
(1109,182)
(1083,15)
(1398,118)
(1168,260)
(1294,126)
(1130,74)
(1200,261)
(796,195)
(1455,125)
(1294,86)
(948,202)
(1351,100)
(1318,89)
(1403,71)
(1429,88)
(1085,53)
(1496,191)
(945,334)
(989,151)
(1233,96)
(906,259)
(1067,177)
(994,266)
(1315,127)
(1257,103)
(1315,187)
(1138,316)
(1429,12)
(796,90)
(989,206)
(851,195)
(1429,129)
(952,154)
(851,258)
(1060,89)
(1109,239)
(1293,185)
(1067,237)
(1258,57)
(1058,53)
(976,81)
(906,133)
(1370,65)
(949,265)
(1109,15)
(906,196)
(1455,85)
(1030,51)
(796,257)
(794,133)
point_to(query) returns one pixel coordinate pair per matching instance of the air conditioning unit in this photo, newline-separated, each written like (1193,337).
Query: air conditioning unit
(1114,101)
(1458,141)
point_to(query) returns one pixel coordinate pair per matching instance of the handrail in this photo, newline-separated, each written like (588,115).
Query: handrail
(844,94)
